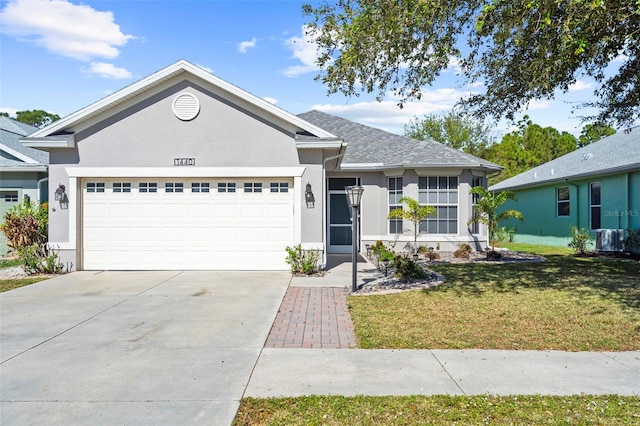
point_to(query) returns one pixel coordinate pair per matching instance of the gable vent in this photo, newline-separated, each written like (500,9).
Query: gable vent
(186,106)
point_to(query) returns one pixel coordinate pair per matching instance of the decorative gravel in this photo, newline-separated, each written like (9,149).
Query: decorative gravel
(390,284)
(12,273)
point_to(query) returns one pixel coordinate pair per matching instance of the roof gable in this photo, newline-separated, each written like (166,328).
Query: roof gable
(376,148)
(165,74)
(616,153)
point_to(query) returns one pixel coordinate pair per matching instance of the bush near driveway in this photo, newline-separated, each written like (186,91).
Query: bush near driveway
(566,303)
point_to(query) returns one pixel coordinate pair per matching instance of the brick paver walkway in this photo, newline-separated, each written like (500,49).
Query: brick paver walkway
(313,317)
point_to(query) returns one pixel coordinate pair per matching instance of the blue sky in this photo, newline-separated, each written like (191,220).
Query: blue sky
(62,55)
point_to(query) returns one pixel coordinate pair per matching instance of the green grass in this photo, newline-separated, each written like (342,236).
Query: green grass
(6,285)
(8,263)
(440,410)
(566,303)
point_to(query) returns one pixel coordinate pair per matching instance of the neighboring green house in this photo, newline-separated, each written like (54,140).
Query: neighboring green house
(596,187)
(23,170)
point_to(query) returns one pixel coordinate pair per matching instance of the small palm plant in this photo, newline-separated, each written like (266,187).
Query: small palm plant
(485,210)
(415,213)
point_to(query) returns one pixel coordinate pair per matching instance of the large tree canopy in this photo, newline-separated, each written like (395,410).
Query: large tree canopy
(35,117)
(520,49)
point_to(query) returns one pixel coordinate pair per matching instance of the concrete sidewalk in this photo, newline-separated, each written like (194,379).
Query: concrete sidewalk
(349,372)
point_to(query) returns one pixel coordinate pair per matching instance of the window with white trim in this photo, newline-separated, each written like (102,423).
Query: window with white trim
(279,187)
(563,201)
(595,205)
(394,185)
(226,187)
(440,192)
(173,187)
(147,187)
(200,187)
(10,196)
(121,187)
(253,187)
(95,186)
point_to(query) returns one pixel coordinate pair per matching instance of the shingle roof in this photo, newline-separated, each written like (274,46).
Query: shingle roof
(617,153)
(368,145)
(10,133)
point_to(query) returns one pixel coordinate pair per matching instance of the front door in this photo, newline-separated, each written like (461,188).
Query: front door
(339,214)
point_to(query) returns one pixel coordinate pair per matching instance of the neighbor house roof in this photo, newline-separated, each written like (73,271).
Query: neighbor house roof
(371,148)
(14,155)
(614,154)
(56,135)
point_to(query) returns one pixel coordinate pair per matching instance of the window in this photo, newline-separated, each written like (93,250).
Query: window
(174,187)
(476,181)
(252,187)
(200,187)
(226,187)
(10,197)
(395,193)
(562,197)
(95,186)
(594,197)
(148,187)
(440,192)
(122,187)
(279,187)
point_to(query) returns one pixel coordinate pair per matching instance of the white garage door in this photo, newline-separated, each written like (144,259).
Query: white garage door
(197,224)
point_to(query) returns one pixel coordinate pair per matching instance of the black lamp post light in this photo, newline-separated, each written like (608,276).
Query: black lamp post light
(354,196)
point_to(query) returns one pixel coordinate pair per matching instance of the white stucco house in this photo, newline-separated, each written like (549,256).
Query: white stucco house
(182,170)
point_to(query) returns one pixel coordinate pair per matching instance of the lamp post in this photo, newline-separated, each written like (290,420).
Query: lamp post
(354,195)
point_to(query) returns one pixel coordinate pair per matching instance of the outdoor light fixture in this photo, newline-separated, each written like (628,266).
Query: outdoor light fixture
(309,198)
(368,246)
(354,195)
(60,193)
(386,266)
(430,254)
(415,257)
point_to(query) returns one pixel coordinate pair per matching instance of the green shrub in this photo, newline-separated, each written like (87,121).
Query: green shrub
(632,242)
(407,269)
(579,240)
(463,252)
(302,261)
(39,259)
(378,247)
(504,234)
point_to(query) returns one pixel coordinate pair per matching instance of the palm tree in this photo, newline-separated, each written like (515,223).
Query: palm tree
(485,210)
(415,214)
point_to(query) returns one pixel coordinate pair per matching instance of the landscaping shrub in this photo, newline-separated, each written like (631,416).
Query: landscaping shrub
(434,255)
(632,242)
(39,258)
(463,252)
(407,269)
(26,224)
(579,240)
(302,261)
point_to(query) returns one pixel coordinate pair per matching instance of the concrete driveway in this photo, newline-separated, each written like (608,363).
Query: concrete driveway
(133,347)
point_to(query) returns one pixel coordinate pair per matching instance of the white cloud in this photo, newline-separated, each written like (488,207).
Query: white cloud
(10,111)
(388,116)
(66,29)
(109,71)
(580,85)
(305,50)
(270,100)
(246,45)
(539,104)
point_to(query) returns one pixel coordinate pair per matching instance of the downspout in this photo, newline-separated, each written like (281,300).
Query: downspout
(39,184)
(577,187)
(324,200)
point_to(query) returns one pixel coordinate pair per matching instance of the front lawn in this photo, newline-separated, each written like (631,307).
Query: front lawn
(6,285)
(566,303)
(440,410)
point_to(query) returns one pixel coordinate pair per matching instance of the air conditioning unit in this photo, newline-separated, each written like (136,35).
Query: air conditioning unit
(609,239)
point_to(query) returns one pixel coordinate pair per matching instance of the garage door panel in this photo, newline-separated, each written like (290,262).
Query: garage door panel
(137,231)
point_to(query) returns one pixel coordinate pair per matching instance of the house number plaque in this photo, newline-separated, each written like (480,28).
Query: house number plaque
(184,161)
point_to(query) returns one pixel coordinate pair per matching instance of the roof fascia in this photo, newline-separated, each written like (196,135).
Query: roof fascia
(169,72)
(57,141)
(18,155)
(321,144)
(35,168)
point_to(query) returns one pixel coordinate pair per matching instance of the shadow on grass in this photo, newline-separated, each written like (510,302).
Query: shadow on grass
(610,279)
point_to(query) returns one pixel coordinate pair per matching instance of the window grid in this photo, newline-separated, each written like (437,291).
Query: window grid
(395,194)
(122,187)
(253,187)
(200,187)
(173,187)
(147,187)
(440,192)
(563,201)
(95,186)
(595,205)
(226,187)
(11,198)
(279,187)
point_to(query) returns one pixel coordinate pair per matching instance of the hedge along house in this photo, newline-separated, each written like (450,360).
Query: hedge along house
(596,187)
(23,170)
(183,170)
